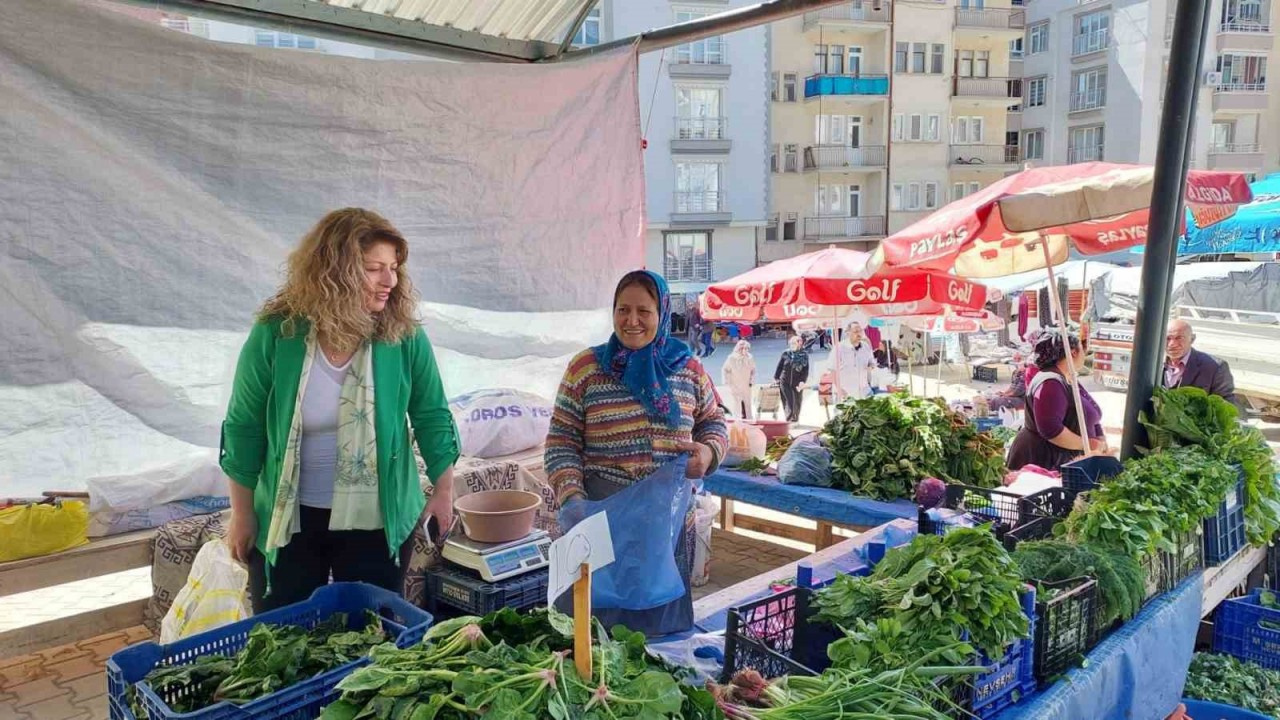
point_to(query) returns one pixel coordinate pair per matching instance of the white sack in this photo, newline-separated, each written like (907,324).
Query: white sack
(501,421)
(197,475)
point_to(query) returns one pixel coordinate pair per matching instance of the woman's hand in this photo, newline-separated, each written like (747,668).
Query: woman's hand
(700,458)
(440,506)
(242,532)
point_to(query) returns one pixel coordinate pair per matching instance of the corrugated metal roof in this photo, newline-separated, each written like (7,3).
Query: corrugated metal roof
(548,21)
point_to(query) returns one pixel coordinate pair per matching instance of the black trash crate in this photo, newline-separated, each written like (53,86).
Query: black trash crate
(1089,472)
(1003,510)
(1066,629)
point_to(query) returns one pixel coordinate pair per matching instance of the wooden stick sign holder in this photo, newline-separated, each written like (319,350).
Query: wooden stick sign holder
(583,549)
(582,622)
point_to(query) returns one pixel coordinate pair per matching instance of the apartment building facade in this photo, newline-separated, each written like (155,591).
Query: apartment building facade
(1095,74)
(881,113)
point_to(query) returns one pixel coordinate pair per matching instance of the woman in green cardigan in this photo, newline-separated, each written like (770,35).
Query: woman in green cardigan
(315,442)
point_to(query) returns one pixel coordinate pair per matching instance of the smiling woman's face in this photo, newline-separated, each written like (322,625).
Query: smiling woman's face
(635,317)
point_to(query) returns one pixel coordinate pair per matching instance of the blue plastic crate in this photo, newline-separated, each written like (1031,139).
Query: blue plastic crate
(1013,677)
(987,423)
(1242,627)
(303,701)
(1224,532)
(1088,473)
(1202,710)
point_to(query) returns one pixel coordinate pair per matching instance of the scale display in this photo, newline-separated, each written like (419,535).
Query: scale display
(498,561)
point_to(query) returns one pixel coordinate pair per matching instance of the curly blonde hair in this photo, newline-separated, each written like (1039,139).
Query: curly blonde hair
(325,283)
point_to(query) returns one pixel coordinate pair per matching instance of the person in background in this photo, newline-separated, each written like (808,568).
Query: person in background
(791,375)
(739,373)
(887,358)
(1051,435)
(323,480)
(1184,366)
(1014,396)
(627,407)
(857,359)
(705,338)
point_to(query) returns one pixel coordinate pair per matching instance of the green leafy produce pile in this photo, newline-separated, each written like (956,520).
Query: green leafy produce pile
(1224,679)
(883,445)
(777,447)
(1121,582)
(1155,497)
(754,466)
(511,666)
(922,596)
(274,657)
(1191,416)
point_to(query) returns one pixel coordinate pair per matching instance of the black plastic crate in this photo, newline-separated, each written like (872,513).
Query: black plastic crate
(777,635)
(985,373)
(466,591)
(1164,570)
(1273,564)
(1224,531)
(1089,472)
(1066,629)
(1004,510)
(1040,528)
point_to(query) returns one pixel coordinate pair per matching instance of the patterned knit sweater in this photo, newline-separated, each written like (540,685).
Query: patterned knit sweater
(600,430)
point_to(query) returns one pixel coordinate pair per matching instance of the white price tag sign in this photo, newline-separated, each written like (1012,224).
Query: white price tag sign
(587,542)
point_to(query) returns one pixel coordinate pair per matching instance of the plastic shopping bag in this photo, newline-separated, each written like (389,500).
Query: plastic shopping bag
(745,442)
(645,521)
(213,596)
(706,507)
(806,462)
(42,529)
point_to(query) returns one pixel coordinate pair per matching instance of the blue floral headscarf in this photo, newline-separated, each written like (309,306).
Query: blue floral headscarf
(646,372)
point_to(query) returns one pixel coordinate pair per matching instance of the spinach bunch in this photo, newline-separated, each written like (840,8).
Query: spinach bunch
(1120,578)
(1224,679)
(883,445)
(1191,416)
(1153,499)
(935,589)
(468,668)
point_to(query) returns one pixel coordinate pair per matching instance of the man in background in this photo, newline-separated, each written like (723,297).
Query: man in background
(1184,366)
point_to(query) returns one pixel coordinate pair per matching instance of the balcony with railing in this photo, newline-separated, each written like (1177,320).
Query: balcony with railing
(835,229)
(861,86)
(700,135)
(977,157)
(998,89)
(1090,42)
(1095,99)
(991,19)
(850,15)
(695,268)
(1229,96)
(700,206)
(1084,153)
(1236,156)
(843,157)
(1248,35)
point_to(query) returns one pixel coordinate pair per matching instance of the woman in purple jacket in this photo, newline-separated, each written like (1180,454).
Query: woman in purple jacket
(1051,435)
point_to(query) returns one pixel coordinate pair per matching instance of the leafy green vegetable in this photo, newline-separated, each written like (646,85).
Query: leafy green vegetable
(934,589)
(1120,578)
(883,445)
(1224,679)
(755,466)
(1191,416)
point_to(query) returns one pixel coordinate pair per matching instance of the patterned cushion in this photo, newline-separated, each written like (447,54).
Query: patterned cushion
(173,550)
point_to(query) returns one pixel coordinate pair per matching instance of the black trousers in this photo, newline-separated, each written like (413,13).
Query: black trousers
(791,399)
(316,553)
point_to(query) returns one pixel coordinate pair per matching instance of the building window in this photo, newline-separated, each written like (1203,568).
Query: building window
(957,191)
(789,227)
(698,187)
(589,32)
(1222,135)
(1243,72)
(932,128)
(789,87)
(918,57)
(896,197)
(707,51)
(688,257)
(974,187)
(1091,32)
(837,200)
(791,158)
(1033,144)
(913,196)
(964,63)
(967,130)
(982,64)
(1084,144)
(930,195)
(1037,91)
(698,114)
(845,130)
(1038,38)
(1015,49)
(773,158)
(771,230)
(936,58)
(773,87)
(1089,89)
(830,59)
(897,127)
(916,127)
(1244,16)
(272,39)
(900,51)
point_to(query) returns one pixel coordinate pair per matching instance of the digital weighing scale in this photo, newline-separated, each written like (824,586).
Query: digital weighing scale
(499,561)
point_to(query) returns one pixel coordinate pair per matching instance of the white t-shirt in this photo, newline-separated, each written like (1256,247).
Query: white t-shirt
(318,449)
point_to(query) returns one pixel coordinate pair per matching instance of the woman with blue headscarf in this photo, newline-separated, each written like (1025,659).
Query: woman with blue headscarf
(625,408)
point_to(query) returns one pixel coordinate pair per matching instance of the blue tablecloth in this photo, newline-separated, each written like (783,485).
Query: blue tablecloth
(814,503)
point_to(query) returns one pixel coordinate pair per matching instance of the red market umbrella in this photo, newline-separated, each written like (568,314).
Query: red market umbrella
(711,308)
(1032,219)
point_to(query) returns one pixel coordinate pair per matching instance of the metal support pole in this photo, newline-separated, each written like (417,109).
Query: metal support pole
(1186,55)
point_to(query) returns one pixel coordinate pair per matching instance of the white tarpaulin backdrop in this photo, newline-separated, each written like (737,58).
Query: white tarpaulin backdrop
(152,183)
